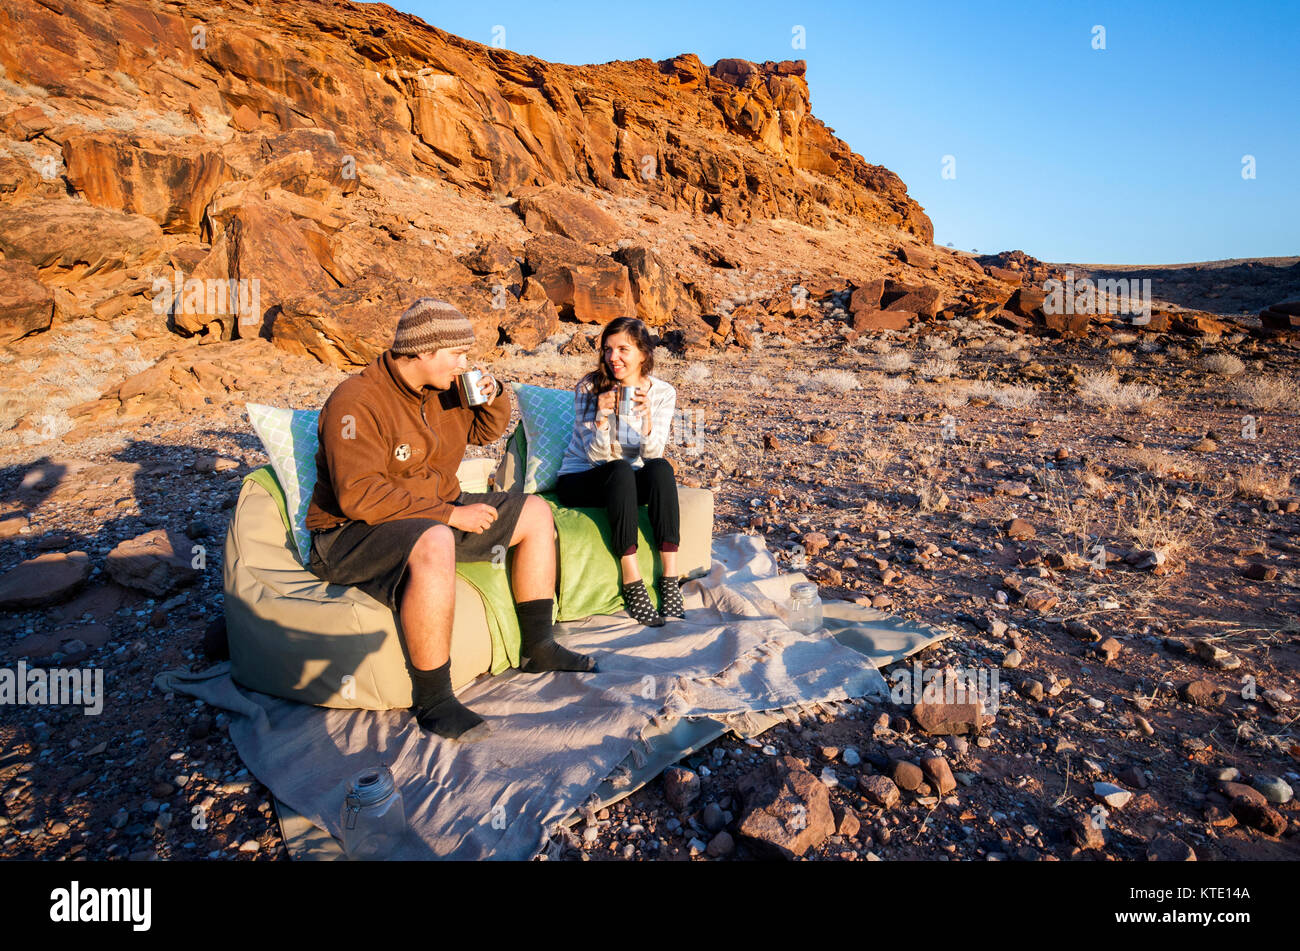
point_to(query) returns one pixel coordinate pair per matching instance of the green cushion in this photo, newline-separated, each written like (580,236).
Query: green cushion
(491,582)
(589,577)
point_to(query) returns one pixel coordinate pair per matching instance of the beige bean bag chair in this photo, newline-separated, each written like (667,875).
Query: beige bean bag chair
(294,636)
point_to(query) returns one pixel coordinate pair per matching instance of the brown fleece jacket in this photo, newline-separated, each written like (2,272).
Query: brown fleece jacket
(389,452)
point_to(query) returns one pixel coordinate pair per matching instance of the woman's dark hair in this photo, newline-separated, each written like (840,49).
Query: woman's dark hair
(600,380)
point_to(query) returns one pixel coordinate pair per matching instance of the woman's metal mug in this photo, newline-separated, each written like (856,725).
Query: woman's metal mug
(627,401)
(468,383)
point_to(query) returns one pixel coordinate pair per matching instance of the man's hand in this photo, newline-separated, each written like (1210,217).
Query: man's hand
(472,518)
(487,387)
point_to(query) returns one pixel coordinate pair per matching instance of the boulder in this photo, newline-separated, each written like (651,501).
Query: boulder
(585,286)
(658,294)
(157,562)
(918,257)
(787,810)
(557,210)
(168,181)
(1005,274)
(265,245)
(1027,301)
(26,305)
(490,257)
(44,580)
(920,299)
(67,232)
(939,773)
(345,327)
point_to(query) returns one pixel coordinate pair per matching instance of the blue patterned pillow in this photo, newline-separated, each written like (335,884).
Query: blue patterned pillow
(548,425)
(290,439)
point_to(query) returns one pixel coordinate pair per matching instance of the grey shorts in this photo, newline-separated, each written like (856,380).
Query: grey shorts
(373,557)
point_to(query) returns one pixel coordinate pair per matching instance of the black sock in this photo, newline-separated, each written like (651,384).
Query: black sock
(438,710)
(537,641)
(637,601)
(670,598)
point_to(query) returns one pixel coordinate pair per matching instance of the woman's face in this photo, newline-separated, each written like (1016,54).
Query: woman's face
(622,356)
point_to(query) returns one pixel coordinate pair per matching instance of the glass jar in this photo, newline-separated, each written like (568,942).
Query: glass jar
(373,819)
(805,608)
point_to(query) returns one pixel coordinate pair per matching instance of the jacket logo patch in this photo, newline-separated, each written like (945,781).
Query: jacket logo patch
(402,452)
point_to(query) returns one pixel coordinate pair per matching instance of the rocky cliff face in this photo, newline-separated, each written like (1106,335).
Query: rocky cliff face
(299,173)
(738,140)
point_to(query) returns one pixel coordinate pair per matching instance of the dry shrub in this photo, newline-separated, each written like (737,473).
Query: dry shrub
(894,362)
(1161,464)
(835,381)
(1266,392)
(936,369)
(1222,364)
(1121,358)
(1104,390)
(895,385)
(1262,482)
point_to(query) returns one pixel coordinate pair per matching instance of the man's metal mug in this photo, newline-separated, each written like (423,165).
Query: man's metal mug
(468,383)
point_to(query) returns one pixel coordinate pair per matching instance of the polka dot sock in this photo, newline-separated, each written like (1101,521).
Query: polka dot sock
(670,598)
(637,601)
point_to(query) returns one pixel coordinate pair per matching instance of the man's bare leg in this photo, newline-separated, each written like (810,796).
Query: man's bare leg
(532,573)
(428,605)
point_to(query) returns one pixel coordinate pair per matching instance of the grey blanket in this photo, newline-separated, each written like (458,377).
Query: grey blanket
(557,737)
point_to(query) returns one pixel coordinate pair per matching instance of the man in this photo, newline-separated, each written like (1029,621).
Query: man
(387,514)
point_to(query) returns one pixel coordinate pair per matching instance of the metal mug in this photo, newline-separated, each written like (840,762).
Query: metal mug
(627,401)
(468,384)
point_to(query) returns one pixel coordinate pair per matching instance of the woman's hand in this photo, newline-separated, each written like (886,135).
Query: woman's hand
(604,406)
(642,403)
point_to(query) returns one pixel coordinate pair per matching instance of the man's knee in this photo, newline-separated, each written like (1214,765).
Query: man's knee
(660,468)
(435,549)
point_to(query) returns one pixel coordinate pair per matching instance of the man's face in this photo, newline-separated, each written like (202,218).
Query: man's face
(440,368)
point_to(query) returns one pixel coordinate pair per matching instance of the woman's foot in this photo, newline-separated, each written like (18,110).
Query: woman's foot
(670,598)
(637,601)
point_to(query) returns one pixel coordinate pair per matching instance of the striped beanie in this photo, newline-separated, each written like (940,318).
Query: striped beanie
(431,324)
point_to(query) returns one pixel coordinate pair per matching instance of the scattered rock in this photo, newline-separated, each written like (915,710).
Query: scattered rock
(1111,795)
(681,787)
(1274,788)
(1203,693)
(1167,848)
(44,580)
(787,810)
(908,775)
(882,790)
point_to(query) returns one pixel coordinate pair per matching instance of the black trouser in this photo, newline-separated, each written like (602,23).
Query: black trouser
(620,489)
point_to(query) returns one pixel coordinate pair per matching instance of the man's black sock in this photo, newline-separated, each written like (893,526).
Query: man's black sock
(438,710)
(537,642)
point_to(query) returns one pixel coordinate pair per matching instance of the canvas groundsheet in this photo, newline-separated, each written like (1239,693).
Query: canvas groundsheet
(562,740)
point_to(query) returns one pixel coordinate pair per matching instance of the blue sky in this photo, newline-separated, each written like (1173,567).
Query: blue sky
(1130,154)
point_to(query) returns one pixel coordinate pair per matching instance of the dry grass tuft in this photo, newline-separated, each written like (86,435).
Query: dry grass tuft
(1222,364)
(1105,391)
(1262,482)
(1267,392)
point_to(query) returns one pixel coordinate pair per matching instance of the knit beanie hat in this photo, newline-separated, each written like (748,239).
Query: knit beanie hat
(431,324)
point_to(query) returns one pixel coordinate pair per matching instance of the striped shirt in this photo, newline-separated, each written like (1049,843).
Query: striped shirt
(590,446)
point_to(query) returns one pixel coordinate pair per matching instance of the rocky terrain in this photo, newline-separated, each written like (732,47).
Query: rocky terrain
(205,206)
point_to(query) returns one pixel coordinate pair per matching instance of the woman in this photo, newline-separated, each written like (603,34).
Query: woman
(616,461)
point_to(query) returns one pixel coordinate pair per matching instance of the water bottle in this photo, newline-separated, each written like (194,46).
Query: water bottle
(373,819)
(805,608)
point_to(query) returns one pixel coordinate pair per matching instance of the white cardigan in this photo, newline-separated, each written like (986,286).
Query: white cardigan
(589,446)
